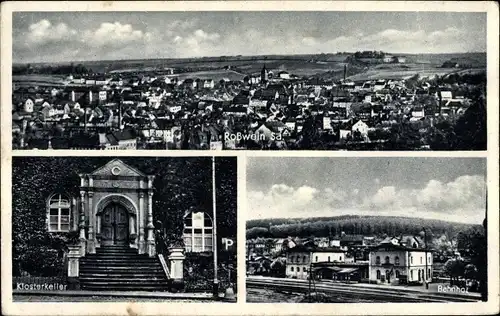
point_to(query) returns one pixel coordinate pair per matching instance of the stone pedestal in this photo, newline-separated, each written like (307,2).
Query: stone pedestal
(74,267)
(176,264)
(83,247)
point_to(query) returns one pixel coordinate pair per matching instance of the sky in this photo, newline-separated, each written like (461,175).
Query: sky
(452,189)
(75,36)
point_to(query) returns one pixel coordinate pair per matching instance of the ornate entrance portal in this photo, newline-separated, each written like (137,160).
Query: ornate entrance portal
(114,227)
(116,209)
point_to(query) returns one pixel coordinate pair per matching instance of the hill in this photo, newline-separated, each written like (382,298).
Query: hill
(351,224)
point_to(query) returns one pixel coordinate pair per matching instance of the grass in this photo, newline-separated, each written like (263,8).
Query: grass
(216,75)
(301,65)
(399,72)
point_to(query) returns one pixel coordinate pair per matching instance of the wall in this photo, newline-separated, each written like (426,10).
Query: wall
(402,267)
(324,256)
(301,265)
(419,264)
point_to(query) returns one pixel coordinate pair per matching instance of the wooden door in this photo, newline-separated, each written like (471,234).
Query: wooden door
(114,228)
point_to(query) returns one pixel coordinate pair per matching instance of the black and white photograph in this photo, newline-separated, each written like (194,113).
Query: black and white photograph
(366,230)
(275,80)
(93,229)
(265,158)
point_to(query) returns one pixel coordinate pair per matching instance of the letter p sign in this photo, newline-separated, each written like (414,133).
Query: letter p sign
(227,243)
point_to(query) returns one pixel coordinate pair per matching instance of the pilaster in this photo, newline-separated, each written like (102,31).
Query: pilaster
(142,243)
(92,239)
(82,224)
(150,227)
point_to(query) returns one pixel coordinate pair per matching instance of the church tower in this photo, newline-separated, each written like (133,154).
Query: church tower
(264,75)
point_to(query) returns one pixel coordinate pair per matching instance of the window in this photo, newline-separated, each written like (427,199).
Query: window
(377,260)
(387,260)
(304,269)
(304,259)
(396,261)
(298,259)
(397,274)
(378,274)
(58,213)
(291,269)
(328,258)
(428,273)
(291,259)
(411,259)
(411,274)
(421,259)
(340,258)
(316,258)
(198,233)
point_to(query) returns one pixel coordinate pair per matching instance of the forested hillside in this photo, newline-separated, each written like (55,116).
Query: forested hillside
(351,224)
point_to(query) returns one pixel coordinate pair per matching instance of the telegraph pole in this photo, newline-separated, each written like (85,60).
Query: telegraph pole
(426,269)
(216,280)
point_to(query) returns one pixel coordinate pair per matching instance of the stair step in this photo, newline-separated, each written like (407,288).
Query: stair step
(124,268)
(137,284)
(121,288)
(118,251)
(112,275)
(141,259)
(126,255)
(126,279)
(121,268)
(130,261)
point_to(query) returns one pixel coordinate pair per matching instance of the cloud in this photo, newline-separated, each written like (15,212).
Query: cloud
(462,194)
(46,41)
(115,34)
(44,32)
(460,200)
(206,36)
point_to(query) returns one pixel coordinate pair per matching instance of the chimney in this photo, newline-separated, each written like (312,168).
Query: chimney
(120,116)
(345,71)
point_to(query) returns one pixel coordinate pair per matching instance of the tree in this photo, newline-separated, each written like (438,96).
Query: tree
(470,129)
(470,272)
(255,232)
(454,268)
(180,185)
(278,268)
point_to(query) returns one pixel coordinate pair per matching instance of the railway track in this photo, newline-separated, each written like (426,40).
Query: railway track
(356,292)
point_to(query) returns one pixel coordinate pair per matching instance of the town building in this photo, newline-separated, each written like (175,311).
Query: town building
(300,258)
(397,262)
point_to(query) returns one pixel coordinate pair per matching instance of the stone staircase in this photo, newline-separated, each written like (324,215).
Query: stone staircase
(120,268)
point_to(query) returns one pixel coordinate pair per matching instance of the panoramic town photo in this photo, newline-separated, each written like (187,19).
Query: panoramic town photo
(120,229)
(366,230)
(249,80)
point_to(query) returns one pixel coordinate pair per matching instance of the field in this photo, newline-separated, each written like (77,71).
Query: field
(216,75)
(327,66)
(38,80)
(400,72)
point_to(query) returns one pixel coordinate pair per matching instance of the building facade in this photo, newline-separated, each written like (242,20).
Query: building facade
(117,207)
(394,264)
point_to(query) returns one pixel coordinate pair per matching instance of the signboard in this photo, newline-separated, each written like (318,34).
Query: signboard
(229,244)
(175,109)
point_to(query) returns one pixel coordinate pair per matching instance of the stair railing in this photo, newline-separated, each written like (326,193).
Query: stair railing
(162,251)
(164,265)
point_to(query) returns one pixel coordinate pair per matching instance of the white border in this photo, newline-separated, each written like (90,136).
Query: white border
(242,308)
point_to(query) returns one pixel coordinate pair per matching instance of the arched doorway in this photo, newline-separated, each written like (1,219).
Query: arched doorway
(114,225)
